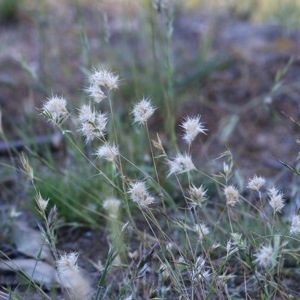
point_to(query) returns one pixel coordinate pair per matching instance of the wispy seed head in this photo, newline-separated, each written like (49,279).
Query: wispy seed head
(295,225)
(197,195)
(101,82)
(231,194)
(112,207)
(265,256)
(55,109)
(86,114)
(256,183)
(104,78)
(108,152)
(138,193)
(71,277)
(182,163)
(201,229)
(192,127)
(142,111)
(276,199)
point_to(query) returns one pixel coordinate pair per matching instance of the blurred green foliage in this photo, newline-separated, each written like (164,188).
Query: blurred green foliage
(9,10)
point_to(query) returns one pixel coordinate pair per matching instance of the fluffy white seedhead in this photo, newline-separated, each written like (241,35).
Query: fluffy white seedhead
(231,194)
(192,127)
(104,78)
(265,256)
(138,193)
(86,114)
(96,129)
(276,199)
(295,225)
(101,122)
(201,229)
(55,109)
(71,277)
(182,163)
(108,152)
(199,271)
(197,195)
(112,206)
(96,93)
(256,183)
(101,82)
(88,130)
(142,111)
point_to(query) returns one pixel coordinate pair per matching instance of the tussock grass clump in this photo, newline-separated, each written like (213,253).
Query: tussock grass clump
(215,244)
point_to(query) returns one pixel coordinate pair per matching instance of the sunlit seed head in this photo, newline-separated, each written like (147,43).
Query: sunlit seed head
(276,199)
(231,194)
(181,163)
(142,111)
(192,127)
(55,109)
(256,183)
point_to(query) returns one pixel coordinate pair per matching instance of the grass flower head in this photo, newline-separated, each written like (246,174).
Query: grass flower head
(104,78)
(295,225)
(199,272)
(102,82)
(139,194)
(41,203)
(108,152)
(201,229)
(265,256)
(71,277)
(197,195)
(192,127)
(142,111)
(276,199)
(55,109)
(112,206)
(96,129)
(231,194)
(256,183)
(86,114)
(182,163)
(96,93)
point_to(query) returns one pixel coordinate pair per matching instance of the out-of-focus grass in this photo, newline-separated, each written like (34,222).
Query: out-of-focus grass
(286,12)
